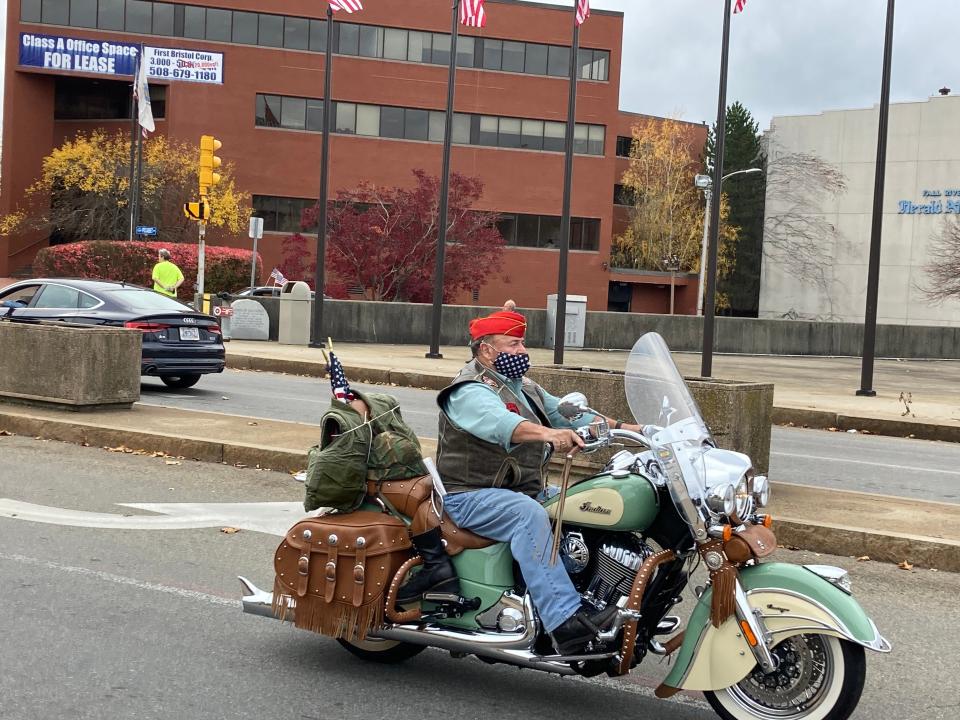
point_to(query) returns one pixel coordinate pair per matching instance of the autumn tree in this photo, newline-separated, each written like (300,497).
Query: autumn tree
(83,191)
(666,219)
(384,240)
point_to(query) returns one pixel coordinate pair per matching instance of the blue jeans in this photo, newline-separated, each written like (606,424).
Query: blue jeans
(514,518)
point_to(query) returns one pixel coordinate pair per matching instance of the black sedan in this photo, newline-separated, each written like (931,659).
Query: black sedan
(179,344)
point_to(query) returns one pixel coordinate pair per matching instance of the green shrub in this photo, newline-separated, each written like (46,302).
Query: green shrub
(225,269)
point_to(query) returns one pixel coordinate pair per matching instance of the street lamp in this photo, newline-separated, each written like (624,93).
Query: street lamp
(705,183)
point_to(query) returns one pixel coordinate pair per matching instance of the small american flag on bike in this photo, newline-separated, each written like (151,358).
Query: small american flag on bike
(348,5)
(583,11)
(472,13)
(338,379)
(277,277)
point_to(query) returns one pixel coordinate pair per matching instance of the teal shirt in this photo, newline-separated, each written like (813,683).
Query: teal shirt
(478,409)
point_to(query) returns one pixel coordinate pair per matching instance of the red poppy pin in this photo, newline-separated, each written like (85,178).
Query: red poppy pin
(512,407)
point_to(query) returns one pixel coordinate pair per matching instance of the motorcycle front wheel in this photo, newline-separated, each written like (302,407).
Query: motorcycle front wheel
(819,677)
(388,652)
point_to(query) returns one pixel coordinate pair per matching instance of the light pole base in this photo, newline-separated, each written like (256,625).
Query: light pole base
(866,393)
(433,356)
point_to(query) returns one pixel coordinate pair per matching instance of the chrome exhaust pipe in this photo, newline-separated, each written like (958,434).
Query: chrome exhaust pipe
(260,602)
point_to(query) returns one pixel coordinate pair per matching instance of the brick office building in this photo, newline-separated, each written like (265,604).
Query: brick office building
(389,86)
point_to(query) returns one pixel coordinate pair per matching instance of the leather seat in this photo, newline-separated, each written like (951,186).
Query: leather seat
(412,498)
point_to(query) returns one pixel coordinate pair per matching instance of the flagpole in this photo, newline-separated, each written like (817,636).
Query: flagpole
(709,305)
(873,268)
(139,183)
(316,338)
(560,331)
(444,192)
(133,140)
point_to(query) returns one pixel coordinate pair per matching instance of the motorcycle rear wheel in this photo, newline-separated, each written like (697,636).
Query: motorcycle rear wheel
(388,652)
(819,678)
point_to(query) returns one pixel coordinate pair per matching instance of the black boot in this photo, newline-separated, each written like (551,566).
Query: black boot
(573,634)
(437,573)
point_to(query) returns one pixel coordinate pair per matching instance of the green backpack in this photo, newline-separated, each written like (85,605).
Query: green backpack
(353,450)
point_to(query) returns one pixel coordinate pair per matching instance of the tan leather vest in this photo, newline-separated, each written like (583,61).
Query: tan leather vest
(465,462)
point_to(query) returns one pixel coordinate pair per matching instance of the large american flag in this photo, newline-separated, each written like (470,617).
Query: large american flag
(738,6)
(338,380)
(583,11)
(348,5)
(472,13)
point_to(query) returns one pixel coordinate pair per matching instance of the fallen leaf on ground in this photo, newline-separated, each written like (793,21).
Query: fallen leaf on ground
(224,397)
(4,433)
(171,462)
(905,565)
(239,465)
(229,530)
(863,558)
(251,423)
(833,429)
(852,431)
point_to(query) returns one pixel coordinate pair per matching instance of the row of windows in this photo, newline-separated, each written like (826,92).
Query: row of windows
(296,113)
(83,99)
(299,33)
(282,214)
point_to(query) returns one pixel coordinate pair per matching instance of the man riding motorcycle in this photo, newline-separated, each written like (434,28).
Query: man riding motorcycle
(496,432)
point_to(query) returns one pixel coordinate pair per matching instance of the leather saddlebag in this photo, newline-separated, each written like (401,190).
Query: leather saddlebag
(333,571)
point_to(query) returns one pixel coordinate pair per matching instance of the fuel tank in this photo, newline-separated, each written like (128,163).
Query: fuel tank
(628,502)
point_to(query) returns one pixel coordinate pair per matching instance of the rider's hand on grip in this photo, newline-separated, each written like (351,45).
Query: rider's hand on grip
(563,440)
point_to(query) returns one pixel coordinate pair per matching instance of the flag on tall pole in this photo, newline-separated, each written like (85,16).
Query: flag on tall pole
(738,6)
(583,10)
(141,93)
(348,5)
(472,13)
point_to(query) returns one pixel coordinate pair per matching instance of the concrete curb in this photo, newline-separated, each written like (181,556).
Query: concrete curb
(800,417)
(821,537)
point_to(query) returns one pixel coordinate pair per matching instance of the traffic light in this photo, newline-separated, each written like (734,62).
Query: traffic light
(197,210)
(209,163)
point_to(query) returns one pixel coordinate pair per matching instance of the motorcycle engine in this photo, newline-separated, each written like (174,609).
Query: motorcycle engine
(604,570)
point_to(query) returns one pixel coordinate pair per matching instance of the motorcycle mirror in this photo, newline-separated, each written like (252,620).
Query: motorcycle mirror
(572,405)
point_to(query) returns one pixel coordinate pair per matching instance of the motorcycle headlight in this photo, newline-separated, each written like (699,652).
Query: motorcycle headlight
(761,490)
(744,498)
(722,499)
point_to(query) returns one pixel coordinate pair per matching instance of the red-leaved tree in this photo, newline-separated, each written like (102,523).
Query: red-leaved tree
(384,240)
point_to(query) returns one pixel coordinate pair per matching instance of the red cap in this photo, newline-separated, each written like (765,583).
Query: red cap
(501,322)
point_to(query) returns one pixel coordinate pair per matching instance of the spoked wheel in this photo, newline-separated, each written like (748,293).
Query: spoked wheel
(388,652)
(818,678)
(180,382)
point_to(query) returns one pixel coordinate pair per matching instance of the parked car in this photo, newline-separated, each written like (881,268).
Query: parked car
(268,291)
(179,343)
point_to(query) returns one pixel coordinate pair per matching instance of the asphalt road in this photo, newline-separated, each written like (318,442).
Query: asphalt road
(144,624)
(891,466)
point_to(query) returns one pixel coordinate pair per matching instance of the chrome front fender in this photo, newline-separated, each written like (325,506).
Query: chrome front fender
(788,600)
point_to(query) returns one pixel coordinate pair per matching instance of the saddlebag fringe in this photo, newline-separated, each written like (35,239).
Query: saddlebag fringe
(333,571)
(636,599)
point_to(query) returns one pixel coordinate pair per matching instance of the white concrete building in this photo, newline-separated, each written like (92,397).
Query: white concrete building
(922,194)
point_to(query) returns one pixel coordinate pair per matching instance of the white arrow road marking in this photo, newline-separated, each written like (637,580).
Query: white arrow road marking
(272,518)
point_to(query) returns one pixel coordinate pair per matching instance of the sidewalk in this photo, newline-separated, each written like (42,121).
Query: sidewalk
(808,391)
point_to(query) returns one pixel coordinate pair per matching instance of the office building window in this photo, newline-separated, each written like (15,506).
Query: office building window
(543,231)
(282,214)
(386,121)
(623,146)
(298,33)
(76,98)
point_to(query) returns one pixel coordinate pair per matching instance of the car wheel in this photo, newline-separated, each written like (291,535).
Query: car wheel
(180,381)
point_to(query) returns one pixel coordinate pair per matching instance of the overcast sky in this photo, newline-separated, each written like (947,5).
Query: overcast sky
(787,57)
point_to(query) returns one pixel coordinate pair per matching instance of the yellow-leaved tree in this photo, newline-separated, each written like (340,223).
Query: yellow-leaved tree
(82,191)
(666,218)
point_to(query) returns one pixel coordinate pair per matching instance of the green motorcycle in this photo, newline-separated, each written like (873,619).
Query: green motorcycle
(765,640)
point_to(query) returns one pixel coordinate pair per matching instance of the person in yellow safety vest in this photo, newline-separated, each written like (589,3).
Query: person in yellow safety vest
(166,276)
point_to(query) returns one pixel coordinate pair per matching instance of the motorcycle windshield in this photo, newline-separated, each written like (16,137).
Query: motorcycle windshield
(657,394)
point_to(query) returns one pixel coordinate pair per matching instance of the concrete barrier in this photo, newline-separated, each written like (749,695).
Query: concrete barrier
(410,323)
(739,414)
(70,366)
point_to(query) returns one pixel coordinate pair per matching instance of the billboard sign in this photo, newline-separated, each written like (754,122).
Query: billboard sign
(179,64)
(54,52)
